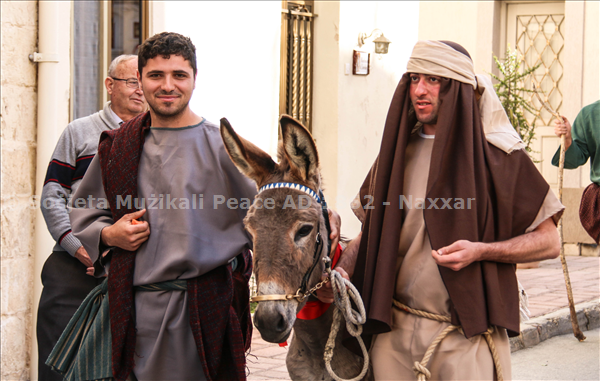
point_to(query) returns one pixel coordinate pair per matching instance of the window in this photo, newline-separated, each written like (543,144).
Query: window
(540,41)
(536,31)
(102,30)
(126,33)
(87,73)
(296,61)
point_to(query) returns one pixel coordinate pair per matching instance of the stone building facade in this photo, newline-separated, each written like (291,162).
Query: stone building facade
(18,135)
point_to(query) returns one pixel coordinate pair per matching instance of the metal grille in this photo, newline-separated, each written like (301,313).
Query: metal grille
(540,40)
(296,61)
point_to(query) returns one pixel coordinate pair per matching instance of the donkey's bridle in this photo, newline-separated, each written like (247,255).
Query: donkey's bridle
(302,291)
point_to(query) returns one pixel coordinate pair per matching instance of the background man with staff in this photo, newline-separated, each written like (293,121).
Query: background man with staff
(582,142)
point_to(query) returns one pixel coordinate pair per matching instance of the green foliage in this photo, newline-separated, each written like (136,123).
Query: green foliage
(510,90)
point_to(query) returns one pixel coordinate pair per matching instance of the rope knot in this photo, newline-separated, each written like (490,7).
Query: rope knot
(419,368)
(422,373)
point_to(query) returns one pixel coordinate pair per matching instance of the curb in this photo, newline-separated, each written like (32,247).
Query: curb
(541,328)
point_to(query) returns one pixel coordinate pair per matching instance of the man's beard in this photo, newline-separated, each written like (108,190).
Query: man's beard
(169,112)
(431,119)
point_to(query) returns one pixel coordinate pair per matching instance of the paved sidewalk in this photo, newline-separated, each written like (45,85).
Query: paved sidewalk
(545,286)
(548,302)
(266,361)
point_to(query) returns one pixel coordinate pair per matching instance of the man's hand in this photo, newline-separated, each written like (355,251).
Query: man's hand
(541,243)
(345,267)
(325,294)
(563,127)
(83,257)
(126,234)
(335,222)
(458,255)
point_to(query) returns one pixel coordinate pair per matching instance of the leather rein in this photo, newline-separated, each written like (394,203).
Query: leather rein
(303,292)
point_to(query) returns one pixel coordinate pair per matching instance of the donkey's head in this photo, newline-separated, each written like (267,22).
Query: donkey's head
(285,221)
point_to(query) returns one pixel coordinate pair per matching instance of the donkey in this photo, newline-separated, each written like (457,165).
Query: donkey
(288,228)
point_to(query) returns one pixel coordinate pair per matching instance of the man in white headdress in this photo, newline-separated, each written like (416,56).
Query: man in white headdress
(450,205)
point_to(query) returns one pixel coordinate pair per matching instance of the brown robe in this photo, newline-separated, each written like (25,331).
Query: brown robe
(419,285)
(506,192)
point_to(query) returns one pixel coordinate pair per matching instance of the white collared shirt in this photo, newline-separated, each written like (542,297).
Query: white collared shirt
(115,116)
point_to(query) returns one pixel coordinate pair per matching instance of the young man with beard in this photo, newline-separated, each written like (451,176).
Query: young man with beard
(436,268)
(178,270)
(64,273)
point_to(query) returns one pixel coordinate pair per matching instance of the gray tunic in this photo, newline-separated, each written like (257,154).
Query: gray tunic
(182,172)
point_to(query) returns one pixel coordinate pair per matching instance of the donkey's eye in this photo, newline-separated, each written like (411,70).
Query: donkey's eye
(303,232)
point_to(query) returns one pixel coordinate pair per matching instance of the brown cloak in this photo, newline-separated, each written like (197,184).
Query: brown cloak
(505,192)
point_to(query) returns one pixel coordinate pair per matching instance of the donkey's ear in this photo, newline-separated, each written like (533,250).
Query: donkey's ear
(299,148)
(248,158)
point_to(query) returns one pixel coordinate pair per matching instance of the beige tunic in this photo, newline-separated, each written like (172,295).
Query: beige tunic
(419,285)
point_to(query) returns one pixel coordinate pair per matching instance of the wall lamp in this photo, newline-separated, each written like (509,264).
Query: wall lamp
(381,43)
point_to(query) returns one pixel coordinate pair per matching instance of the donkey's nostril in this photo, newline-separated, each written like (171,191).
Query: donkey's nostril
(281,323)
(274,320)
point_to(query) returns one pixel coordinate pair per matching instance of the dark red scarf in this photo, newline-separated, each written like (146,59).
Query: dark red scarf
(218,301)
(508,190)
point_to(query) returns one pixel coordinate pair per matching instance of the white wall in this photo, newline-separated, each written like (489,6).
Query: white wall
(468,23)
(450,20)
(584,77)
(591,50)
(237,48)
(326,69)
(349,141)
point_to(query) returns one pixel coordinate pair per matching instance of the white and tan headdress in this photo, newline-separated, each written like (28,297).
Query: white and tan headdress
(437,58)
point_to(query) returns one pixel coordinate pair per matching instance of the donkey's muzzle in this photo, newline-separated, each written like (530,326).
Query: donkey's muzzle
(273,322)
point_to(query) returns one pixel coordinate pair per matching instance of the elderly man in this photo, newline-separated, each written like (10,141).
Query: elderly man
(583,143)
(64,273)
(464,204)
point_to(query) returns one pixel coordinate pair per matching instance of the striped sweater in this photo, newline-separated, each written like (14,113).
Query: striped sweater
(74,151)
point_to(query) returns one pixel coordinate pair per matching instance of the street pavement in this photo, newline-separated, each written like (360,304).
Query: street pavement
(559,358)
(546,349)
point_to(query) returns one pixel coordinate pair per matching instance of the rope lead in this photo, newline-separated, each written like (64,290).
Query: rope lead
(354,321)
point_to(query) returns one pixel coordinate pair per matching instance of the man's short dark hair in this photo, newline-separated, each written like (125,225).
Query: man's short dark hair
(164,44)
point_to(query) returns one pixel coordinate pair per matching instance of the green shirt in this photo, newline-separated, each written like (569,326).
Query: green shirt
(586,142)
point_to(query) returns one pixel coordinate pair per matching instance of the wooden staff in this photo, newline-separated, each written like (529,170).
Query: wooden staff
(561,166)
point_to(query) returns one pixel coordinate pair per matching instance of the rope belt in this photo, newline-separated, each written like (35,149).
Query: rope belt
(420,368)
(169,285)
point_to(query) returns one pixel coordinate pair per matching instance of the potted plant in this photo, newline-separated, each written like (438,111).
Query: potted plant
(510,90)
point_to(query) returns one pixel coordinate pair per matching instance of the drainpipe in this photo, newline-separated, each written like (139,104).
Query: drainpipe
(53,61)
